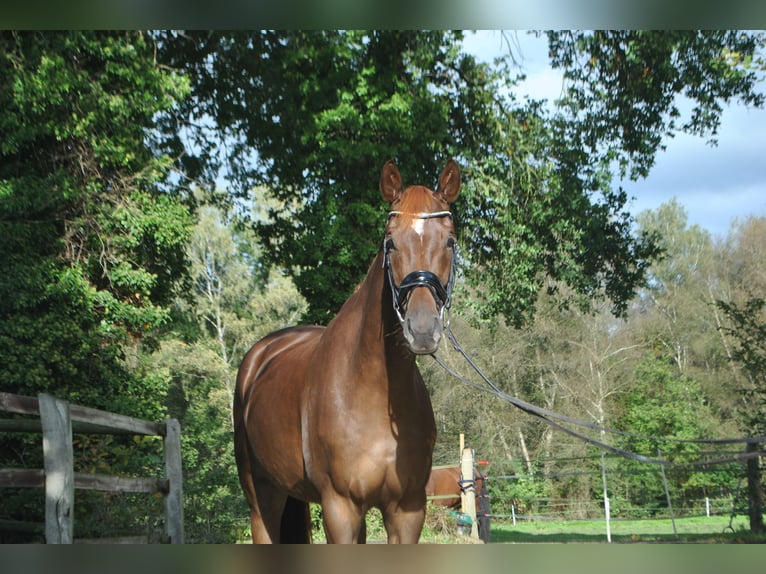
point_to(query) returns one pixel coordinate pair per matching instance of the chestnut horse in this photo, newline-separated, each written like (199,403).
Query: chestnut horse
(340,415)
(446,481)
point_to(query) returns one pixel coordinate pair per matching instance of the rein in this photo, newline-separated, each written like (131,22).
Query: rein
(422,277)
(546,416)
(443,294)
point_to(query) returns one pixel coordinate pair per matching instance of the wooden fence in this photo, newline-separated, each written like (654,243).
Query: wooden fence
(57,420)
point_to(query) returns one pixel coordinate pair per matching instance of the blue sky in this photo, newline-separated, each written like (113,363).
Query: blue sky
(714,184)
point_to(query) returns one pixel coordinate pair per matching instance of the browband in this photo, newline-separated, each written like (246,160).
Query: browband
(422,215)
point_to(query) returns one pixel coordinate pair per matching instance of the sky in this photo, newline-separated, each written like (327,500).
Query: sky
(715,185)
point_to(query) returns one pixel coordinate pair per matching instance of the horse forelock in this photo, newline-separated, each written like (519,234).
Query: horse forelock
(416,200)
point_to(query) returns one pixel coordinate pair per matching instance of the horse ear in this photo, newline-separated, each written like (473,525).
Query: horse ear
(390,182)
(449,182)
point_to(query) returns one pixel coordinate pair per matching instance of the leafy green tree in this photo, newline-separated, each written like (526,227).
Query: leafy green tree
(621,102)
(323,111)
(663,406)
(748,328)
(93,251)
(744,308)
(313,116)
(680,290)
(623,86)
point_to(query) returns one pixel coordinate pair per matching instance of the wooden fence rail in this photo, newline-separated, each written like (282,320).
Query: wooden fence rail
(57,420)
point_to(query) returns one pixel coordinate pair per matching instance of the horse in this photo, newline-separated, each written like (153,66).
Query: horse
(340,415)
(446,481)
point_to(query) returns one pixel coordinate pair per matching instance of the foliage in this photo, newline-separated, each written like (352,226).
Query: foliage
(639,375)
(663,405)
(679,300)
(314,115)
(744,310)
(623,85)
(324,111)
(749,332)
(524,492)
(229,308)
(93,252)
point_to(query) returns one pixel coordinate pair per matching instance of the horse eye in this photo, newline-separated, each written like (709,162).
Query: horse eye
(451,243)
(388,245)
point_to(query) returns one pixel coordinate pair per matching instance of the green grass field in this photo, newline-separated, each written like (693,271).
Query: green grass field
(698,529)
(441,529)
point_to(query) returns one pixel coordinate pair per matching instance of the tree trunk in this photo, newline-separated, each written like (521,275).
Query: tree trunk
(525,452)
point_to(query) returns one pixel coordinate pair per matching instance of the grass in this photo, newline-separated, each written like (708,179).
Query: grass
(714,529)
(440,528)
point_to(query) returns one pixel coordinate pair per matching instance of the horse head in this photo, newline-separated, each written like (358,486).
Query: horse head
(420,253)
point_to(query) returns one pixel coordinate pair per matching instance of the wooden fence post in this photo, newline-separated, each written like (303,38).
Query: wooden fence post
(754,499)
(59,469)
(174,509)
(467,490)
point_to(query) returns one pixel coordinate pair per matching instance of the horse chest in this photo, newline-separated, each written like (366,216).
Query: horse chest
(363,453)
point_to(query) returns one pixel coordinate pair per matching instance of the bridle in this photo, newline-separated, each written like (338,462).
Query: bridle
(421,278)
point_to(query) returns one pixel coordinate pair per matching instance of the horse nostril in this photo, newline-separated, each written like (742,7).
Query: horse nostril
(422,334)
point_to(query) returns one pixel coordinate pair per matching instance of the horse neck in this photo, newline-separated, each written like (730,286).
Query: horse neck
(368,340)
(379,334)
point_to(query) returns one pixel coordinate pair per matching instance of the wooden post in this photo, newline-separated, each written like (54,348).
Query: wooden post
(59,472)
(467,490)
(174,510)
(754,499)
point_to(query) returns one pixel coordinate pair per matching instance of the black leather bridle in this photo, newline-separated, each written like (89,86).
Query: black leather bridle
(421,278)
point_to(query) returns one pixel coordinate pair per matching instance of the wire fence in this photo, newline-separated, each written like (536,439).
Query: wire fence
(564,509)
(511,494)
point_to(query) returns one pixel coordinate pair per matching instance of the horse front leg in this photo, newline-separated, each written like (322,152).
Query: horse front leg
(404,523)
(343,520)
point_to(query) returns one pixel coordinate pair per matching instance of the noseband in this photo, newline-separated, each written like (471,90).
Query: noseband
(421,278)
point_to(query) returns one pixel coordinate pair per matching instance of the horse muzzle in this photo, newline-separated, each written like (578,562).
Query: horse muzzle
(422,330)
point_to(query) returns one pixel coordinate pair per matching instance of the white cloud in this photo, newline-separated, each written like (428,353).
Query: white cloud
(714,184)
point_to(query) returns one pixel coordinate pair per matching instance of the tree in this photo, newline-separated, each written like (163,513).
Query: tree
(745,311)
(749,332)
(323,111)
(679,288)
(664,405)
(623,86)
(93,251)
(313,116)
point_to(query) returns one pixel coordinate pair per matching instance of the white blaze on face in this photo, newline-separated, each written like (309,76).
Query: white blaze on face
(418,225)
